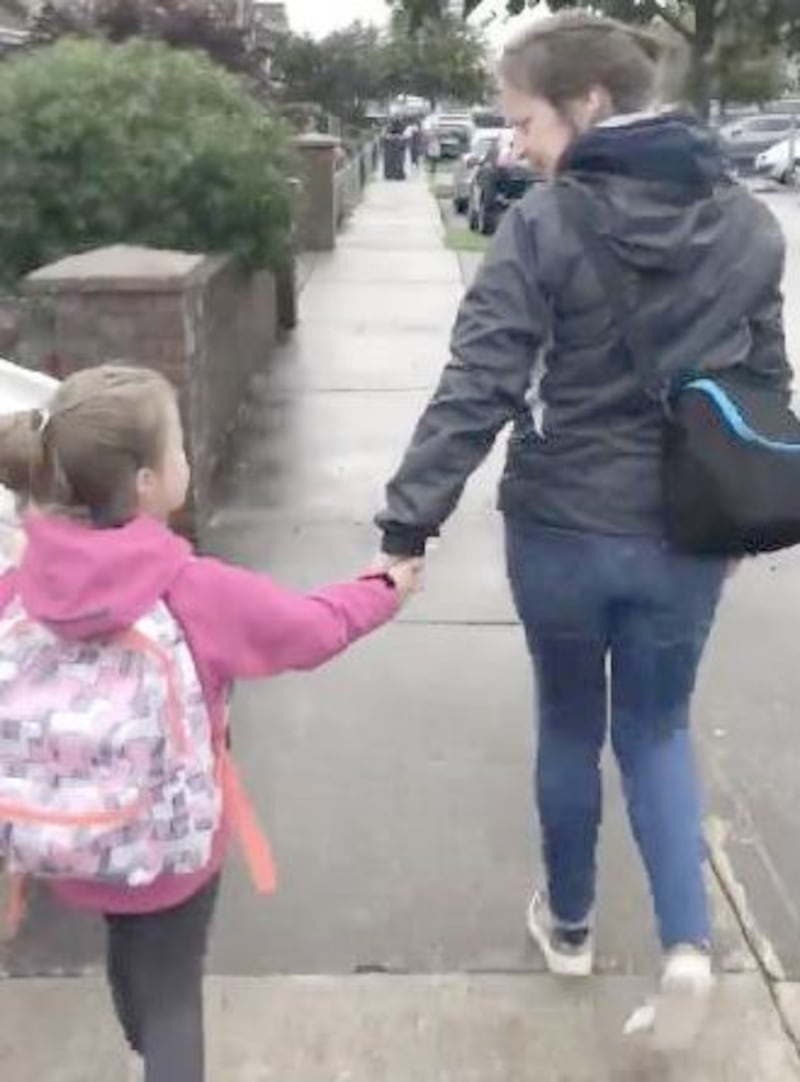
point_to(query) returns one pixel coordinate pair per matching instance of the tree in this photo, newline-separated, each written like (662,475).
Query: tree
(435,58)
(740,76)
(343,72)
(206,25)
(707,26)
(417,11)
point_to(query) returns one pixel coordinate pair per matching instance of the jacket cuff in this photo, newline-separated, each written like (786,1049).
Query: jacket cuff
(407,541)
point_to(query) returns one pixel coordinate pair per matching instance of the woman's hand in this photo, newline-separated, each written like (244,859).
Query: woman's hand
(406,574)
(383,564)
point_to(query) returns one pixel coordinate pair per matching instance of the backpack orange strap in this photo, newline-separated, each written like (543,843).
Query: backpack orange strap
(242,818)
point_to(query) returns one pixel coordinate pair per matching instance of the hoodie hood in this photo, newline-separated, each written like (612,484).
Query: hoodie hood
(654,180)
(667,149)
(83,582)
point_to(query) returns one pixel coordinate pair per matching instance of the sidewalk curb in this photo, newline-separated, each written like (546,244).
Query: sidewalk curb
(766,957)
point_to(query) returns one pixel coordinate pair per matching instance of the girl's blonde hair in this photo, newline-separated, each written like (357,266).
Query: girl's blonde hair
(564,57)
(81,457)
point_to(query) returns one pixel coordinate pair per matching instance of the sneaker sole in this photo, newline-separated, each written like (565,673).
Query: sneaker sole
(560,965)
(681,1012)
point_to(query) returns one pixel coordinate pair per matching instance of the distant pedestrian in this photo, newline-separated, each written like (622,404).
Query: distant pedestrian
(616,618)
(118,651)
(394,151)
(415,144)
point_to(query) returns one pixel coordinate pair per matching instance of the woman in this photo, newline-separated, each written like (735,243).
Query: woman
(615,620)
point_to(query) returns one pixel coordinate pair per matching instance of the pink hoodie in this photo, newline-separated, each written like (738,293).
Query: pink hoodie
(84,582)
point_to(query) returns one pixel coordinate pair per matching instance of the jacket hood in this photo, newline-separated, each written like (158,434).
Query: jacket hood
(653,179)
(83,582)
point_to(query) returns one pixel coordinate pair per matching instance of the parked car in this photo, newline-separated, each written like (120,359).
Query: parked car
(467,166)
(750,136)
(454,140)
(454,132)
(488,119)
(782,161)
(501,179)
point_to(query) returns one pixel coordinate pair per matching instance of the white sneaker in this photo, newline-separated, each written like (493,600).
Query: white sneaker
(684,999)
(568,952)
(135,1068)
(675,1017)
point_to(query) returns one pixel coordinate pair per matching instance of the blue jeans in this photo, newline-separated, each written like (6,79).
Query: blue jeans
(616,628)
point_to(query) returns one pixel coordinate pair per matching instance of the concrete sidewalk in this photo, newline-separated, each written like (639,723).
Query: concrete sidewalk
(396,782)
(399,1029)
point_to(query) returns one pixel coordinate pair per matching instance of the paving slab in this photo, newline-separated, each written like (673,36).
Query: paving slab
(431,265)
(361,306)
(328,455)
(373,359)
(403,1029)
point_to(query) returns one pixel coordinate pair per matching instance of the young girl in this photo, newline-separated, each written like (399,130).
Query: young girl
(106,467)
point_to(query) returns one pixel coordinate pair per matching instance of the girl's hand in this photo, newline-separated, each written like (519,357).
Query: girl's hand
(406,576)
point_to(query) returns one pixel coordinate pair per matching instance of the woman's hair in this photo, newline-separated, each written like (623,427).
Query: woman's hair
(80,458)
(565,56)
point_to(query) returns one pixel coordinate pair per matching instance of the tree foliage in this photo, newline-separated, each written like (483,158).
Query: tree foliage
(135,143)
(435,59)
(751,30)
(205,25)
(343,72)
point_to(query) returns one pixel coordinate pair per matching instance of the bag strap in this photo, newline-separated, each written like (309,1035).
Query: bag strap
(241,817)
(576,205)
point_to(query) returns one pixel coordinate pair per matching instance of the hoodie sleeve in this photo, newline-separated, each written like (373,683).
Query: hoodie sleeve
(244,625)
(500,328)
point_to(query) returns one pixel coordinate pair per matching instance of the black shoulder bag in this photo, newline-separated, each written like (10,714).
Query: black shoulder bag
(731,457)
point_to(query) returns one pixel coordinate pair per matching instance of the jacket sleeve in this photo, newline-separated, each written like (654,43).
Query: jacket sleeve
(244,625)
(768,355)
(500,327)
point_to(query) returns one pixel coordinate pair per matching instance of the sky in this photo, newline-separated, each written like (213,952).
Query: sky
(319,17)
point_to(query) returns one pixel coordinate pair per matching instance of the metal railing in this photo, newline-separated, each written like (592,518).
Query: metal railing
(351,180)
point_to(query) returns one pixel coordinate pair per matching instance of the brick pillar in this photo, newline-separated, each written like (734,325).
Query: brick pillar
(202,321)
(317,213)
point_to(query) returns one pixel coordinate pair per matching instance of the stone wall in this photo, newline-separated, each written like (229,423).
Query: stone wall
(202,321)
(330,188)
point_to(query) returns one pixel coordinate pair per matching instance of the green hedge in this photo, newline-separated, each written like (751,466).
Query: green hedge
(138,144)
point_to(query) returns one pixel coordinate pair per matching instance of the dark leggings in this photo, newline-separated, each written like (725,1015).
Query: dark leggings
(155,969)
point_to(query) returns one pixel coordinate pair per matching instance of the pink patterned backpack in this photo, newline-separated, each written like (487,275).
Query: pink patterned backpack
(108,769)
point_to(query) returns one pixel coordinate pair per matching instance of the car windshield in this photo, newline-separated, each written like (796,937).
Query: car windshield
(481,145)
(488,120)
(452,121)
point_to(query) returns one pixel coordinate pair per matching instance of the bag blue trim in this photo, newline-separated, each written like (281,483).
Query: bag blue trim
(733,418)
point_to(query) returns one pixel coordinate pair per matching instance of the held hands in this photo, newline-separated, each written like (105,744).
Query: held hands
(405,572)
